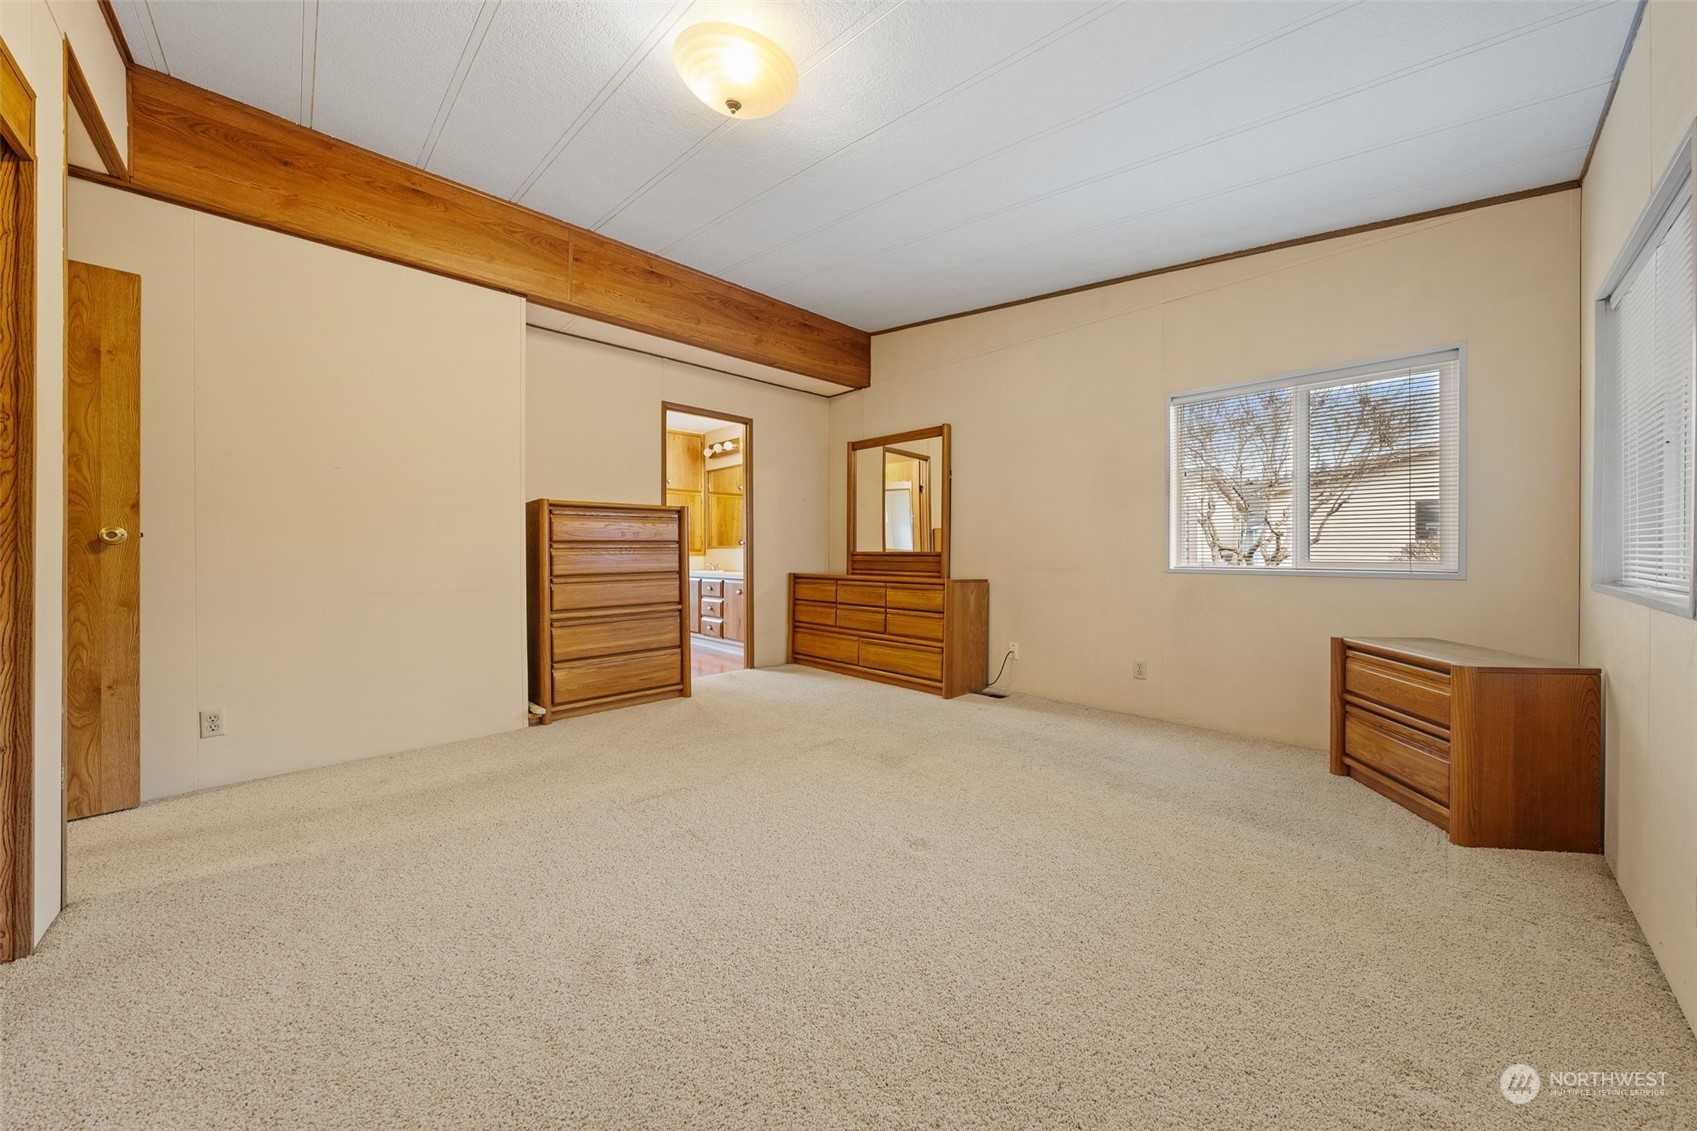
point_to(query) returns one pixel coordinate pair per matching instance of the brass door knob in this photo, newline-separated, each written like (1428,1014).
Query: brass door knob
(112,535)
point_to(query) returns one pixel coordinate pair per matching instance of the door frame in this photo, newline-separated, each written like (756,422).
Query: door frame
(922,489)
(747,505)
(17,531)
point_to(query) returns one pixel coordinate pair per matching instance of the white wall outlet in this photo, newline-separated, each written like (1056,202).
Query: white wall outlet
(1139,669)
(212,723)
(1013,650)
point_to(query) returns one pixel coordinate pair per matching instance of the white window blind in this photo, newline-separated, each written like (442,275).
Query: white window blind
(1354,470)
(1647,366)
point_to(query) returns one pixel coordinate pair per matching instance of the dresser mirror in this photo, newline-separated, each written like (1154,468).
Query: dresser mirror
(898,503)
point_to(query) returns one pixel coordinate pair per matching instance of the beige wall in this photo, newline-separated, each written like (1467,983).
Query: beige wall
(1059,446)
(35,33)
(332,489)
(593,433)
(1649,658)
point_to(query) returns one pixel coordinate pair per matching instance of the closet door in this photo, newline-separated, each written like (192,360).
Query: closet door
(102,541)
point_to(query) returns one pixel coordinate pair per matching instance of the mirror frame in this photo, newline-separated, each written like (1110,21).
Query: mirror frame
(913,563)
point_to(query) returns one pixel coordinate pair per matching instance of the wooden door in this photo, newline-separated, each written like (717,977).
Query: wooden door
(102,541)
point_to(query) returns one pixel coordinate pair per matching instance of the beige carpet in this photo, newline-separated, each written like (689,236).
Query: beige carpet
(801,900)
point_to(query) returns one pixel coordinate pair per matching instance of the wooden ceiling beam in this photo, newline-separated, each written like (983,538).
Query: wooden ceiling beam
(201,150)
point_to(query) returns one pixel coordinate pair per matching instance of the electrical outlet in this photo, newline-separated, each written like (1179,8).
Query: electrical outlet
(1139,670)
(1013,650)
(212,723)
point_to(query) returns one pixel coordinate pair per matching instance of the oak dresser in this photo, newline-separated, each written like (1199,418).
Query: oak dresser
(930,634)
(608,597)
(1499,750)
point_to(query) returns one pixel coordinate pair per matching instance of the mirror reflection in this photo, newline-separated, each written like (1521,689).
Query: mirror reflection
(897,506)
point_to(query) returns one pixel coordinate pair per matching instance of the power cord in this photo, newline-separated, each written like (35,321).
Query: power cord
(988,688)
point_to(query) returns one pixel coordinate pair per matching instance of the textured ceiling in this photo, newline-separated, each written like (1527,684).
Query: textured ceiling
(939,156)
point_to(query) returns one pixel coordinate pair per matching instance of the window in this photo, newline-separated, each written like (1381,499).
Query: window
(1646,366)
(1353,470)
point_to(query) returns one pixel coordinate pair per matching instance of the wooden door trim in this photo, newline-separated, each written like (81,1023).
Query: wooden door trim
(17,531)
(17,106)
(88,112)
(917,490)
(747,506)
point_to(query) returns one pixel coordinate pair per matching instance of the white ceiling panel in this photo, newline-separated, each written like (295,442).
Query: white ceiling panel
(1133,139)
(249,50)
(380,70)
(136,23)
(901,63)
(602,168)
(938,156)
(519,101)
(1104,54)
(1246,169)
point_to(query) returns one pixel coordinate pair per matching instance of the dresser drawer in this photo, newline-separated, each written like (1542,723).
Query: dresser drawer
(591,526)
(578,680)
(712,606)
(577,638)
(1412,757)
(923,598)
(826,646)
(811,589)
(712,626)
(860,593)
(615,592)
(712,587)
(569,561)
(860,618)
(1420,692)
(919,626)
(902,659)
(808,612)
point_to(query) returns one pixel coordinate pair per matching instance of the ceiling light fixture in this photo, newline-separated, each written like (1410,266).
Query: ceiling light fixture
(738,72)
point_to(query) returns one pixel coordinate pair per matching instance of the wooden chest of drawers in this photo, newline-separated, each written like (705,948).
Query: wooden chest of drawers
(1501,751)
(929,634)
(608,595)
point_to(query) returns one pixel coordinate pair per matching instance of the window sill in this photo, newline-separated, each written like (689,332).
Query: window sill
(1279,571)
(1678,606)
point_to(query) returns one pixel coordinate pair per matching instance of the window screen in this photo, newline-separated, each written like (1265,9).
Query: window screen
(1352,470)
(1647,327)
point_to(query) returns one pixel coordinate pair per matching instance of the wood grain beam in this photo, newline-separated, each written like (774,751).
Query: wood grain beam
(195,148)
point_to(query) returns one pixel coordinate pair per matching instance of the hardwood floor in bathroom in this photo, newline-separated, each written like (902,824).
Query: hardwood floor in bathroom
(710,657)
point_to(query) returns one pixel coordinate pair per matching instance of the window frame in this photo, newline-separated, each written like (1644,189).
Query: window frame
(1674,189)
(1304,380)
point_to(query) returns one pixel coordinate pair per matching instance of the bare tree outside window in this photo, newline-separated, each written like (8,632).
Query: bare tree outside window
(1371,461)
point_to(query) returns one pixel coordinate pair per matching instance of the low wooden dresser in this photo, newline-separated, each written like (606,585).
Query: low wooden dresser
(930,634)
(1499,750)
(608,597)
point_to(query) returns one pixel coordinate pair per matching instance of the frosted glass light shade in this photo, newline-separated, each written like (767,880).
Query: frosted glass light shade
(738,72)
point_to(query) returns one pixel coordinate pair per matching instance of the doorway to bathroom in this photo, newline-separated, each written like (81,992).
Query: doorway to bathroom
(707,468)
